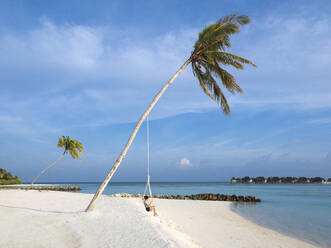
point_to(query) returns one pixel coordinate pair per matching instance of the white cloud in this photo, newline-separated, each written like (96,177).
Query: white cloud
(69,47)
(91,67)
(300,101)
(10,118)
(320,121)
(293,57)
(184,162)
(290,44)
(114,75)
(100,51)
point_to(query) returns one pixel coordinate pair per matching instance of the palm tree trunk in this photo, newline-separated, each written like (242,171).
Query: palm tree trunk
(133,135)
(47,168)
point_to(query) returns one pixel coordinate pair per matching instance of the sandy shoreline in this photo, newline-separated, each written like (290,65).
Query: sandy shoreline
(57,219)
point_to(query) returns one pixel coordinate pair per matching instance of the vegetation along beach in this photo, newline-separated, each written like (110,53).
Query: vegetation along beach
(202,124)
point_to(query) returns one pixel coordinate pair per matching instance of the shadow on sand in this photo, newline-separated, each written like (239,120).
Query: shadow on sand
(42,210)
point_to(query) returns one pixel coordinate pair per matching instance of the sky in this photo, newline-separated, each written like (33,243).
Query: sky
(88,69)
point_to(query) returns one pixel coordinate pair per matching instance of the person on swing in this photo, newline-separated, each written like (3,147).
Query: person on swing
(148,202)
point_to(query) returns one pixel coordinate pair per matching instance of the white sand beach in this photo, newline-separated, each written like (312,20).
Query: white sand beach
(57,219)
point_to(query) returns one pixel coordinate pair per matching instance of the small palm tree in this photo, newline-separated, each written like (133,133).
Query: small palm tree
(208,59)
(70,145)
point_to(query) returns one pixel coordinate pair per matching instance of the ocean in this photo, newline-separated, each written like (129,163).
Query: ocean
(299,210)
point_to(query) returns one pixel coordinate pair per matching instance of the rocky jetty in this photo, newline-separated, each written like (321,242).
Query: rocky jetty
(279,180)
(200,197)
(47,188)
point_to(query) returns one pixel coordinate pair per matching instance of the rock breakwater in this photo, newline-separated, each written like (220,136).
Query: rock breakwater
(200,197)
(48,188)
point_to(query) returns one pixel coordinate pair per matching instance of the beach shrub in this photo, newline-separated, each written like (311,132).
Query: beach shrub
(6,178)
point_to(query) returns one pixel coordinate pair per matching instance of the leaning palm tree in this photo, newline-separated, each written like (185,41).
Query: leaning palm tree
(70,146)
(208,59)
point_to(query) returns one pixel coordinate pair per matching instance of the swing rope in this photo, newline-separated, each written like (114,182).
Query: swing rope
(148,184)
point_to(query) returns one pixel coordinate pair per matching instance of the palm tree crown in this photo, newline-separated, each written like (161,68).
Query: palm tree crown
(71,145)
(209,57)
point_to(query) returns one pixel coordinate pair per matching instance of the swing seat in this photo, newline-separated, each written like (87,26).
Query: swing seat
(148,207)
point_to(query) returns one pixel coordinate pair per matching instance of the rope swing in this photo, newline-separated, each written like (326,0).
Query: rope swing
(148,184)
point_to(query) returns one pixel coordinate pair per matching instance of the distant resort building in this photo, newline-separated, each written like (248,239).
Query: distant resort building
(262,180)
(235,180)
(303,180)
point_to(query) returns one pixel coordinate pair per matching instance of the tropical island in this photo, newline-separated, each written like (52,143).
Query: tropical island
(41,218)
(261,180)
(6,178)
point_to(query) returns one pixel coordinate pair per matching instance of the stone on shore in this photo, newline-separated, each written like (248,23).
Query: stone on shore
(200,197)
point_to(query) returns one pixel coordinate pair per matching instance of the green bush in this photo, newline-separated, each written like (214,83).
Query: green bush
(6,178)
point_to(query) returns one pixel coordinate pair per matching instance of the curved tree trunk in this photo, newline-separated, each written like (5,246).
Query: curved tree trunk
(47,168)
(133,135)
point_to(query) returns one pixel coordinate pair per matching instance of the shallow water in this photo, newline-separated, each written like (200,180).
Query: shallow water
(300,210)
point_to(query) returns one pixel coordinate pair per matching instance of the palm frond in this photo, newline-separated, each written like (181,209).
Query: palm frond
(211,88)
(209,57)
(227,79)
(217,35)
(203,81)
(235,19)
(71,145)
(236,58)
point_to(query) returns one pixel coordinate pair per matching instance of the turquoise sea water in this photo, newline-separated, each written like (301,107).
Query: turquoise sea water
(299,210)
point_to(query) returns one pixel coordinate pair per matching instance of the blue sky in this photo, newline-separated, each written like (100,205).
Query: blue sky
(89,69)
